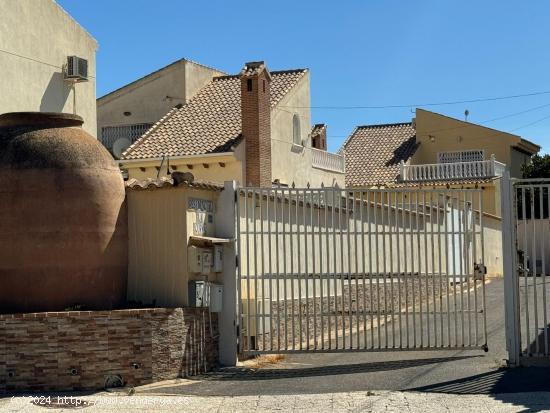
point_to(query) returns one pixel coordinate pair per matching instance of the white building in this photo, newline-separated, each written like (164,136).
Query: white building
(36,39)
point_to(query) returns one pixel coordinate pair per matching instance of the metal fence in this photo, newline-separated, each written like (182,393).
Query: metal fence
(529,283)
(328,269)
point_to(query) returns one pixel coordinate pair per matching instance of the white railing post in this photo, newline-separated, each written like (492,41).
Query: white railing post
(510,269)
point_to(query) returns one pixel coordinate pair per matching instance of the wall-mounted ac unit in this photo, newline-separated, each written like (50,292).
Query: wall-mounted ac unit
(77,69)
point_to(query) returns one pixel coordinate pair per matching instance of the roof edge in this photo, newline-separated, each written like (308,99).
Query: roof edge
(272,72)
(155,72)
(383,125)
(76,21)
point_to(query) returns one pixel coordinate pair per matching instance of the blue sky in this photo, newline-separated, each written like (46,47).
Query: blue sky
(360,53)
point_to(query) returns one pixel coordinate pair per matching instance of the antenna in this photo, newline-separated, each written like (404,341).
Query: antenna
(466,113)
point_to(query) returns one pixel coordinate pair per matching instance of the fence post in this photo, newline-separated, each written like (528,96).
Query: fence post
(226,228)
(510,269)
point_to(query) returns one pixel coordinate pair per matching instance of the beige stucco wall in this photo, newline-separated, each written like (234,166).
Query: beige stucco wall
(146,98)
(36,36)
(453,135)
(158,231)
(492,240)
(289,162)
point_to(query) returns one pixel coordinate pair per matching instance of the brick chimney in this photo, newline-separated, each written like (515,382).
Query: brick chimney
(319,136)
(256,123)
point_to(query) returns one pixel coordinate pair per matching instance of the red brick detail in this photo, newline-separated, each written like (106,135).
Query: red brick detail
(79,350)
(256,127)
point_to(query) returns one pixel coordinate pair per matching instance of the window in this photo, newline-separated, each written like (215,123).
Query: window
(296,133)
(460,156)
(110,134)
(249,85)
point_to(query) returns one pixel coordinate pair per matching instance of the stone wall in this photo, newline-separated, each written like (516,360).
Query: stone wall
(82,350)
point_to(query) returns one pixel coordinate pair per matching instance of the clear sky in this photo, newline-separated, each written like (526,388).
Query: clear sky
(360,53)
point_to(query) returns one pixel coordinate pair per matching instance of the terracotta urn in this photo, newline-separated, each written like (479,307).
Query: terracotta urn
(63,224)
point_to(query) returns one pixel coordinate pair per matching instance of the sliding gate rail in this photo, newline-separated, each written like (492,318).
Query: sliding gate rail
(327,269)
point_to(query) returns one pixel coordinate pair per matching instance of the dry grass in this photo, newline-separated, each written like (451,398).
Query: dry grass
(263,360)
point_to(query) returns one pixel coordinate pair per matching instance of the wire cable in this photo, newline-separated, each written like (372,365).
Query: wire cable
(444,103)
(36,60)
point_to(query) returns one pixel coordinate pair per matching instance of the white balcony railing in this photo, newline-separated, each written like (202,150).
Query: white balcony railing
(328,161)
(452,171)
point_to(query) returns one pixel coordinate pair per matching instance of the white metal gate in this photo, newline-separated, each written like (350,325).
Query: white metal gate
(329,269)
(528,269)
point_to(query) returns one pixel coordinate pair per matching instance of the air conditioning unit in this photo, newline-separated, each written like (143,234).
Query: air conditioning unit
(77,69)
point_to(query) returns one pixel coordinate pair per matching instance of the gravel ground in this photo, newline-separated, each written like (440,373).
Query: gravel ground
(358,309)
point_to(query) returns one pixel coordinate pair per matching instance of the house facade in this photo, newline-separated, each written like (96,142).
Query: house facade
(125,114)
(35,44)
(439,152)
(253,127)
(435,150)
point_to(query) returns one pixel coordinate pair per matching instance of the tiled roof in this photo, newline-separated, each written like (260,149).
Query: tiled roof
(164,182)
(373,153)
(208,123)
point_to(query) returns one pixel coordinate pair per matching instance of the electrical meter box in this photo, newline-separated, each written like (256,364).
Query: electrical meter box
(216,297)
(218,258)
(194,259)
(199,294)
(206,261)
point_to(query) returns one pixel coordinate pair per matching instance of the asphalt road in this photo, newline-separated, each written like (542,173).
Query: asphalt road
(448,371)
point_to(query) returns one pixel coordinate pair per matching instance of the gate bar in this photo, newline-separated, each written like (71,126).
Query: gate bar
(511,290)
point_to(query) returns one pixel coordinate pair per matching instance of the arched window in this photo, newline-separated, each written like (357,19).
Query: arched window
(296,133)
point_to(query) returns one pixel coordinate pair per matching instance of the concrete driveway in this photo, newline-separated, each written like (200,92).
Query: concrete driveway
(447,371)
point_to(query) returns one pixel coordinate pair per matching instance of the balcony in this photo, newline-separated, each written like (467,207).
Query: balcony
(327,161)
(451,171)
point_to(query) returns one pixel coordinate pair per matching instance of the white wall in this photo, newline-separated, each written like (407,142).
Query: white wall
(292,163)
(36,36)
(533,237)
(146,99)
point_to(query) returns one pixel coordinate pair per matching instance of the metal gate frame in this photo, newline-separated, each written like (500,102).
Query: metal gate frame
(522,307)
(301,218)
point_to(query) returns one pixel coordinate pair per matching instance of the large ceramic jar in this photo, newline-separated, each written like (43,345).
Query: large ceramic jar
(63,225)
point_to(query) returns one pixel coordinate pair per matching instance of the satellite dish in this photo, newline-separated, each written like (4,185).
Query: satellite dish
(119,146)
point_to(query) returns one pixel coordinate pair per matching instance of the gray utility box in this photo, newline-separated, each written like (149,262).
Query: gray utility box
(199,294)
(216,297)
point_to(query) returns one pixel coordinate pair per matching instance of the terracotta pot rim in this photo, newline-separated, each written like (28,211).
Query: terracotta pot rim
(39,119)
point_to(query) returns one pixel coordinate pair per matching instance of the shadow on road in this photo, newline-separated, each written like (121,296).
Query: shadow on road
(506,385)
(518,380)
(240,373)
